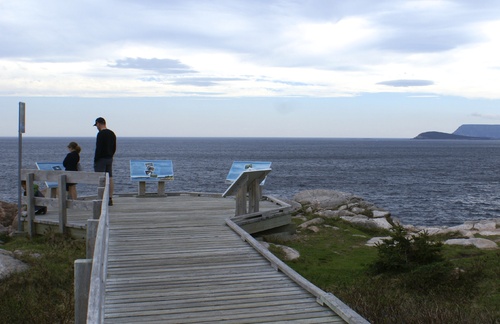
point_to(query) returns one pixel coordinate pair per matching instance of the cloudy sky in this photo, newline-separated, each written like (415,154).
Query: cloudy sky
(231,68)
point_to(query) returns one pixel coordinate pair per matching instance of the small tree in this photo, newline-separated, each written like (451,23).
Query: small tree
(403,252)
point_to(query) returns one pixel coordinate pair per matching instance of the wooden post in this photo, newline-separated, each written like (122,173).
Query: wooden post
(142,188)
(30,196)
(83,270)
(96,209)
(241,201)
(92,225)
(63,212)
(254,195)
(161,188)
(100,188)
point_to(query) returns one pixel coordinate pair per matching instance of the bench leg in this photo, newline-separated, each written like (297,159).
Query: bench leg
(142,188)
(161,188)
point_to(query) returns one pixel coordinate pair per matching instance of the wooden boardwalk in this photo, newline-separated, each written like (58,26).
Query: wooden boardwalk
(174,260)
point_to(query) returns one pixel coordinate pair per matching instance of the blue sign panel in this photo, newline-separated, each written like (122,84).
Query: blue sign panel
(50,166)
(239,166)
(151,170)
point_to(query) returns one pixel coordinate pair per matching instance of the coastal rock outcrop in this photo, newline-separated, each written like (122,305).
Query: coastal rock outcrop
(351,208)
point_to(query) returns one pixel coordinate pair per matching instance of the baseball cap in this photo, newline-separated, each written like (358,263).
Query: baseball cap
(100,120)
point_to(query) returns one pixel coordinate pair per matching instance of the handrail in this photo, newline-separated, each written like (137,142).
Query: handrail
(61,202)
(95,310)
(335,304)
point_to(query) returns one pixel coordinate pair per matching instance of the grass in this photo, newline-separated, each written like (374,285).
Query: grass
(463,288)
(44,292)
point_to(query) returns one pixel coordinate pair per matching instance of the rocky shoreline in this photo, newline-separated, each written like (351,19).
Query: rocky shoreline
(484,234)
(351,208)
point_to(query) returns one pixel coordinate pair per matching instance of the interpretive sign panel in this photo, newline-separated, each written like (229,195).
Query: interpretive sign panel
(151,170)
(239,166)
(50,166)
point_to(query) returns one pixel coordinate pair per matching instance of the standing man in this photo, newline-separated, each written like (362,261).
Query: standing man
(105,148)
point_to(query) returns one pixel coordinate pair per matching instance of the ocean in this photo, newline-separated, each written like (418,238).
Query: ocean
(421,182)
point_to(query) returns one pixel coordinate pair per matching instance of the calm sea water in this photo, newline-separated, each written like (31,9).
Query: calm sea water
(421,182)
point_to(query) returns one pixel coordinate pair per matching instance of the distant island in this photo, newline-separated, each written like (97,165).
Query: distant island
(465,132)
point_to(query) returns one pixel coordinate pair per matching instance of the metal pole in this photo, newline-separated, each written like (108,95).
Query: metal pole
(22,114)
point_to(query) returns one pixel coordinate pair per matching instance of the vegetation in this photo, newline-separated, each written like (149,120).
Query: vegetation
(405,279)
(43,293)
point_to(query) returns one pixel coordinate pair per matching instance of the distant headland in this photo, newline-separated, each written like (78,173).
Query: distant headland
(466,132)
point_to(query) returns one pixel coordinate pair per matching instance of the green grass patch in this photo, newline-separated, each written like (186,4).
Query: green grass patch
(44,292)
(455,285)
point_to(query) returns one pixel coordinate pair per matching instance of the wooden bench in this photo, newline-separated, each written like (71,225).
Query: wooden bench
(61,202)
(248,184)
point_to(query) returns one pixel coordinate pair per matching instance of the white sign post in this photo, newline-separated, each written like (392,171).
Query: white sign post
(22,117)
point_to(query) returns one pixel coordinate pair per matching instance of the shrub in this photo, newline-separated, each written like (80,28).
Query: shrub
(403,252)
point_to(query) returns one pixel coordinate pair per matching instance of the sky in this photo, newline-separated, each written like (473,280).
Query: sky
(249,68)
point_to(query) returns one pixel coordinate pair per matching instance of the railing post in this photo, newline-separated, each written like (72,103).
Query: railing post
(92,225)
(63,212)
(96,209)
(83,271)
(101,187)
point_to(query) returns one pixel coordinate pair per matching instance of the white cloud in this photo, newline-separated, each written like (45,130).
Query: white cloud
(244,49)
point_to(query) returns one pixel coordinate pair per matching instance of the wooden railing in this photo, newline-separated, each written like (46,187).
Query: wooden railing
(90,273)
(95,310)
(322,297)
(29,177)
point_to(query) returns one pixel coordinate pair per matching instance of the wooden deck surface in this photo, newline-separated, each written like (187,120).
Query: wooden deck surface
(173,260)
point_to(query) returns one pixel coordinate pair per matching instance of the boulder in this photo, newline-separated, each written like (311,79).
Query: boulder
(480,243)
(9,264)
(485,225)
(380,214)
(335,213)
(313,228)
(314,221)
(368,222)
(377,240)
(290,254)
(325,199)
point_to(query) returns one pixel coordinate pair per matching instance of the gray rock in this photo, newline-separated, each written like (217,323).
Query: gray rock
(480,243)
(325,199)
(9,264)
(380,213)
(290,254)
(376,240)
(357,210)
(489,233)
(485,225)
(313,221)
(313,228)
(368,222)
